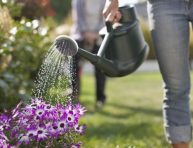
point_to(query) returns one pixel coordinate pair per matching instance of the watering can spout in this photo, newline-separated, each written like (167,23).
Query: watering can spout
(93,58)
(104,64)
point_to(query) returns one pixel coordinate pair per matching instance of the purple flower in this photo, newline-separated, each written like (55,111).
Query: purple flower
(37,101)
(53,129)
(26,112)
(23,139)
(71,119)
(3,136)
(4,144)
(4,122)
(48,108)
(60,111)
(80,128)
(40,121)
(81,110)
(15,131)
(15,111)
(40,112)
(41,134)
(23,122)
(31,133)
(62,126)
(1,128)
(75,145)
(69,109)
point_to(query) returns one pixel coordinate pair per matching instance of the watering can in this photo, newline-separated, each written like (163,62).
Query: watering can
(123,48)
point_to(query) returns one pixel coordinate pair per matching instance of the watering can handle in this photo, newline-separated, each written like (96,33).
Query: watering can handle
(106,39)
(109,26)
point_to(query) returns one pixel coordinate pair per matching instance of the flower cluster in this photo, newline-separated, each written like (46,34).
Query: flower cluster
(41,123)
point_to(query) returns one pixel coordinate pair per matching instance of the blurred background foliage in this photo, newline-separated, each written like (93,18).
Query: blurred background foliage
(62,9)
(24,39)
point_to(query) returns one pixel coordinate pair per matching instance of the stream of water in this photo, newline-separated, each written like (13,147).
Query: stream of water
(54,80)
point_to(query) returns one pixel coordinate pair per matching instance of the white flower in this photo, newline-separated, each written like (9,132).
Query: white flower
(13,31)
(22,21)
(28,24)
(43,31)
(35,24)
(12,38)
(4,1)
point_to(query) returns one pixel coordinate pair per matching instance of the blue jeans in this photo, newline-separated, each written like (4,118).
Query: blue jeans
(169,25)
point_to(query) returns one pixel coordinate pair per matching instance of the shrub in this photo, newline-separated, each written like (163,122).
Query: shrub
(22,46)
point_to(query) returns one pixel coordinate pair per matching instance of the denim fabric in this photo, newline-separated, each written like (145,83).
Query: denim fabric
(169,25)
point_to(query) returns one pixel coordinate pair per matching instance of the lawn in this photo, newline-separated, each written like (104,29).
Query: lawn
(132,116)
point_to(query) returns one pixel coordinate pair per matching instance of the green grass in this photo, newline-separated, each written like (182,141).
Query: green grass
(132,115)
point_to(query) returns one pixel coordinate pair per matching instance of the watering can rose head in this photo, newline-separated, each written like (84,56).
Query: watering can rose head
(66,45)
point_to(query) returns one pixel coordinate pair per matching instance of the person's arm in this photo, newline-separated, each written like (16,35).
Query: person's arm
(111,11)
(79,14)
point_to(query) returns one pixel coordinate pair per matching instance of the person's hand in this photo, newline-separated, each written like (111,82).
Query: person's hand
(111,11)
(90,37)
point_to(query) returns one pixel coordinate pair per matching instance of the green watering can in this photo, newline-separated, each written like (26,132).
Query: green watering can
(123,48)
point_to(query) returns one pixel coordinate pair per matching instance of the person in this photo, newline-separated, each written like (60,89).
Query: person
(88,20)
(169,26)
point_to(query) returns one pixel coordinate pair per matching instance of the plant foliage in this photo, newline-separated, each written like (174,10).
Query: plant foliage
(23,43)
